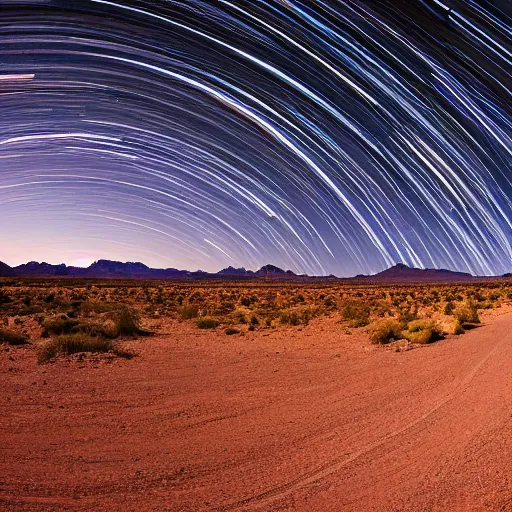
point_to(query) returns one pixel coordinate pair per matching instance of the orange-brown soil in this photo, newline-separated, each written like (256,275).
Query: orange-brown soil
(283,419)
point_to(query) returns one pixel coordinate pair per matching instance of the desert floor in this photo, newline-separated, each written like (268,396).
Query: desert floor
(282,419)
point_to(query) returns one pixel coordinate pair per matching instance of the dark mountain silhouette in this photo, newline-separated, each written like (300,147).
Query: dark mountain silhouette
(272,269)
(117,267)
(232,271)
(33,268)
(5,270)
(399,273)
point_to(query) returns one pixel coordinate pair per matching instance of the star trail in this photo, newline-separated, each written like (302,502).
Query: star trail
(323,137)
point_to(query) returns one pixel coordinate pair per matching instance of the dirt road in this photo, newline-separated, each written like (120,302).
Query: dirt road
(277,420)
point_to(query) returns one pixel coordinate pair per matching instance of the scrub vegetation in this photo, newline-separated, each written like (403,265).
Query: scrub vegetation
(69,316)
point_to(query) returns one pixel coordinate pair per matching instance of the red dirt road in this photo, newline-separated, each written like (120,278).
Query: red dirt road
(277,420)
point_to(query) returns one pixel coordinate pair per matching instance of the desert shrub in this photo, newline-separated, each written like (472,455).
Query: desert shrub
(88,307)
(225,308)
(449,308)
(58,325)
(423,331)
(12,337)
(406,316)
(330,303)
(242,319)
(4,298)
(383,331)
(380,309)
(467,313)
(231,330)
(126,323)
(356,312)
(254,320)
(189,311)
(456,327)
(207,323)
(301,316)
(73,344)
(96,330)
(245,301)
(294,317)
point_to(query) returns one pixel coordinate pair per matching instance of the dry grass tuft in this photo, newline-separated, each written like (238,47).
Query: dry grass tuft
(12,337)
(58,325)
(207,323)
(73,344)
(126,323)
(68,344)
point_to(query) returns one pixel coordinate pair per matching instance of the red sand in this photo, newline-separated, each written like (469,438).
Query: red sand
(277,420)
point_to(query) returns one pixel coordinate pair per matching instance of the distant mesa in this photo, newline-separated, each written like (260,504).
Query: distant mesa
(117,267)
(265,271)
(232,271)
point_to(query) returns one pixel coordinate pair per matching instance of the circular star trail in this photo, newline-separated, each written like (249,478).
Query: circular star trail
(324,137)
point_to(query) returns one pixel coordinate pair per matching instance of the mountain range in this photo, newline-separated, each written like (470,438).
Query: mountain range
(110,269)
(116,269)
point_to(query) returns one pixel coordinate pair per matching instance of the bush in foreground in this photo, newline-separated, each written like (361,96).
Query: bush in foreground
(456,327)
(12,338)
(120,322)
(423,331)
(79,342)
(383,331)
(73,344)
(126,323)
(467,313)
(231,330)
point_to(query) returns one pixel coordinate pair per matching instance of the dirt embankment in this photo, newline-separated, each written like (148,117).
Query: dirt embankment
(281,420)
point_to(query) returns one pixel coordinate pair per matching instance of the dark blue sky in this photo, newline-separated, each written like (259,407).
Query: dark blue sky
(336,139)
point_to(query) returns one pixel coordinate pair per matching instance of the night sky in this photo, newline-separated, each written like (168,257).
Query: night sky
(323,137)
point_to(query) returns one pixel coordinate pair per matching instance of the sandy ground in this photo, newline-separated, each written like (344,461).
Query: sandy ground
(276,420)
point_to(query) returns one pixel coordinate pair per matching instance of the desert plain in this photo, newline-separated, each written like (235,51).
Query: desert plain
(264,397)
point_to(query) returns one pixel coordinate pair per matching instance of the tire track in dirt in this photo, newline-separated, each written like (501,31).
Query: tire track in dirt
(334,465)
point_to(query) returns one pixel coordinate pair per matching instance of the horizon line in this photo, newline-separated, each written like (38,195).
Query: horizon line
(250,270)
